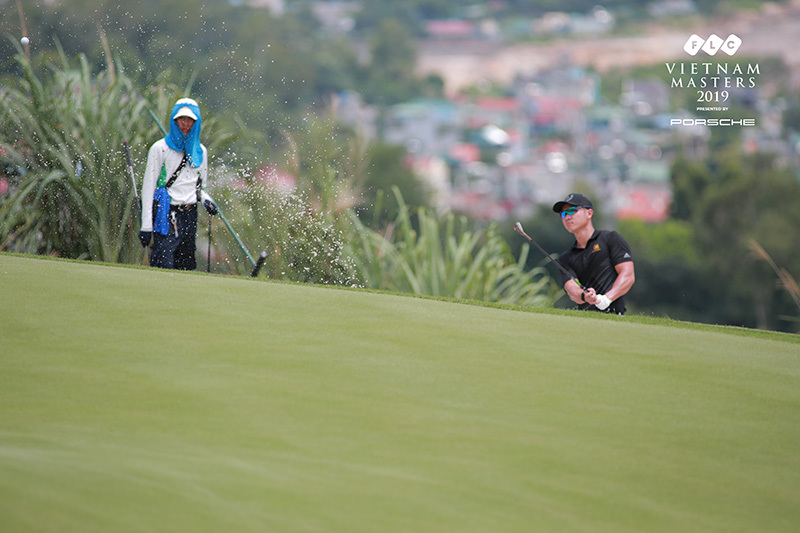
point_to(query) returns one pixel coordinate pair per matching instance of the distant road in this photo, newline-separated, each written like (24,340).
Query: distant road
(773,31)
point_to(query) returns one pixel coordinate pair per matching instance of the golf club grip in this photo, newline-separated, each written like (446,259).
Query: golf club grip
(128,153)
(258,265)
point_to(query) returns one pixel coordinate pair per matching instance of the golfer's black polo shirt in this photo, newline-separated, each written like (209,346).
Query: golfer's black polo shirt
(594,266)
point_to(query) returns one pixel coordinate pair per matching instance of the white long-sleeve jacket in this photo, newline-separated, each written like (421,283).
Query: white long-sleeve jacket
(182,191)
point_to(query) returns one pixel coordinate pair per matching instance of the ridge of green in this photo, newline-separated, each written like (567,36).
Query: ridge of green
(146,400)
(632,317)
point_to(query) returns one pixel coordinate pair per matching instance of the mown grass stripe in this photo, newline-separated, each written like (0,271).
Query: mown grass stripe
(142,400)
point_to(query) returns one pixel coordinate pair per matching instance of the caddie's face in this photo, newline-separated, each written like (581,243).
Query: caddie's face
(185,124)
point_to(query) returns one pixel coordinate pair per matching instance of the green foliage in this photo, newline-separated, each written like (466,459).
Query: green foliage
(731,200)
(296,208)
(373,14)
(386,170)
(391,77)
(671,239)
(689,181)
(302,244)
(250,66)
(671,280)
(328,162)
(72,193)
(749,198)
(444,258)
(671,287)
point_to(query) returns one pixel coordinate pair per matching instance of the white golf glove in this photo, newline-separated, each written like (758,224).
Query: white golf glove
(603,302)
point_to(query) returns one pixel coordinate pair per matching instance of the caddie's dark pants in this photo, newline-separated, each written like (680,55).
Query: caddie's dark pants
(177,251)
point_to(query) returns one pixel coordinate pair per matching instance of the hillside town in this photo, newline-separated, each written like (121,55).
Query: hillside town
(497,157)
(532,133)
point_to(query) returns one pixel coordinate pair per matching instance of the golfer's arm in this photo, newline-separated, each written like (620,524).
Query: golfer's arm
(624,282)
(574,291)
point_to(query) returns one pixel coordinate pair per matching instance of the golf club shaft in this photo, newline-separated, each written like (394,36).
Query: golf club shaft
(518,229)
(133,176)
(235,235)
(137,200)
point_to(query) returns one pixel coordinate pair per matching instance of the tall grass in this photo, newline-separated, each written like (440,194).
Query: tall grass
(72,194)
(785,280)
(442,256)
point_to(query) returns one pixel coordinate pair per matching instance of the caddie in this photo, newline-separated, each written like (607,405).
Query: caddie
(177,169)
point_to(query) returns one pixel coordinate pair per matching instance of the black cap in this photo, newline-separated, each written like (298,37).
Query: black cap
(573,199)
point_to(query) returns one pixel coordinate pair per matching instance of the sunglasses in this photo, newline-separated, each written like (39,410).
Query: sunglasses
(569,211)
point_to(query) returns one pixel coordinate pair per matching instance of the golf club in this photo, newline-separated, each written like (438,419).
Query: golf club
(133,179)
(137,200)
(518,229)
(258,265)
(208,253)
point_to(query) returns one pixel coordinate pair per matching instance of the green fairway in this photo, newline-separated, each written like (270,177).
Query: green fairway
(136,400)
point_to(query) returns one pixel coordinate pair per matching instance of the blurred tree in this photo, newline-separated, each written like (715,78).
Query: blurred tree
(386,170)
(391,77)
(671,280)
(791,117)
(750,198)
(671,239)
(373,15)
(689,181)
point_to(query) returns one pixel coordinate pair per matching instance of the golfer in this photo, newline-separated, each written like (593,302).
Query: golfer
(601,260)
(177,168)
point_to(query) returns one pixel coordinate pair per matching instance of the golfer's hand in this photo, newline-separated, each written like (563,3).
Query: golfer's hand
(590,296)
(210,207)
(602,302)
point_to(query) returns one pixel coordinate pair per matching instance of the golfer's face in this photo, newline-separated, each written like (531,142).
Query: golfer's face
(185,124)
(573,217)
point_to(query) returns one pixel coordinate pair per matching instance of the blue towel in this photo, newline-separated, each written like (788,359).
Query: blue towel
(161,223)
(186,143)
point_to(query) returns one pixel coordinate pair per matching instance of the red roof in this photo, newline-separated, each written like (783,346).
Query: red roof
(549,109)
(645,203)
(465,152)
(508,105)
(450,28)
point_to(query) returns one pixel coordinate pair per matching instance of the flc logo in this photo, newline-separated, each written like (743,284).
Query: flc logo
(712,45)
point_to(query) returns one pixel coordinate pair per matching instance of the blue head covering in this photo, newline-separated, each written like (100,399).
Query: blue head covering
(189,143)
